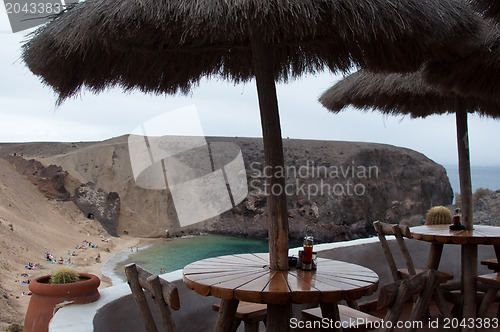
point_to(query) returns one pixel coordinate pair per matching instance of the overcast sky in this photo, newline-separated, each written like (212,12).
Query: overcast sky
(28,113)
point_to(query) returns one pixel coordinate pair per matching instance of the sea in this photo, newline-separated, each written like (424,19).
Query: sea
(171,255)
(487,177)
(174,254)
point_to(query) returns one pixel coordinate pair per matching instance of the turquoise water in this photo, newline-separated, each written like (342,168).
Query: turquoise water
(173,255)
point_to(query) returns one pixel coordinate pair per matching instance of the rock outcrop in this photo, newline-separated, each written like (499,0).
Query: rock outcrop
(486,207)
(50,180)
(337,189)
(95,203)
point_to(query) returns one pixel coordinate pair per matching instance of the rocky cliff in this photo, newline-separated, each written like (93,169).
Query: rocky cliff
(50,180)
(95,203)
(335,188)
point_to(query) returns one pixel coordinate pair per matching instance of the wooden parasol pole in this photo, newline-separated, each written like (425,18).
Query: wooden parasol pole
(273,153)
(278,315)
(464,167)
(469,250)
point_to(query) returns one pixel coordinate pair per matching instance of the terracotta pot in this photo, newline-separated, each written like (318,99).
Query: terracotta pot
(46,296)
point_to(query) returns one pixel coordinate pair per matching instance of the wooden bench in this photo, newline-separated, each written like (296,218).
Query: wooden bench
(491,264)
(249,313)
(492,281)
(351,318)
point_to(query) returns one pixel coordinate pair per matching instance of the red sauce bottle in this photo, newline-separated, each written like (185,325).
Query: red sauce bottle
(308,253)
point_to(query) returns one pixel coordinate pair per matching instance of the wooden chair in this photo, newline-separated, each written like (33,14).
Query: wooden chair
(164,294)
(392,296)
(251,314)
(399,232)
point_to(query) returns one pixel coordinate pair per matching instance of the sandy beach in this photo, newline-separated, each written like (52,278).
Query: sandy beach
(89,255)
(32,226)
(83,257)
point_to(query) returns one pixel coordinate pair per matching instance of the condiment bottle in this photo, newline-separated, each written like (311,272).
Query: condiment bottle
(456,218)
(308,253)
(457,224)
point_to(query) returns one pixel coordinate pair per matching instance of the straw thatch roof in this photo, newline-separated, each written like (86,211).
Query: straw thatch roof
(474,75)
(406,94)
(409,94)
(489,8)
(164,46)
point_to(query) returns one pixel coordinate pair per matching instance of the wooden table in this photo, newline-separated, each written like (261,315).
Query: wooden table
(247,277)
(439,235)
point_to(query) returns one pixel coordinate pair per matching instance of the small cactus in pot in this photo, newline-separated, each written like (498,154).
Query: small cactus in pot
(438,215)
(63,286)
(64,275)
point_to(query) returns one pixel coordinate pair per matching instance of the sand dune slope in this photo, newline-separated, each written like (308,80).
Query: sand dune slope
(31,225)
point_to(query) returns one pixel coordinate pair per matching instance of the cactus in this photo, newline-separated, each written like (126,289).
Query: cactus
(438,215)
(64,275)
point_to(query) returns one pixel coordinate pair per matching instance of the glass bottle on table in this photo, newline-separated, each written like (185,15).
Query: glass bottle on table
(307,255)
(457,221)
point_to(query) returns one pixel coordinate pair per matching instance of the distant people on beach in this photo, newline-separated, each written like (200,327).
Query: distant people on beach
(32,266)
(86,244)
(103,239)
(66,259)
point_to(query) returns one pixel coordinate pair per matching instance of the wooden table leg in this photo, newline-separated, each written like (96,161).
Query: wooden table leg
(434,255)
(278,317)
(331,311)
(469,282)
(227,313)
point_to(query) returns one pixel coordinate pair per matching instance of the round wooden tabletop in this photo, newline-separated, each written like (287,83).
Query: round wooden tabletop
(480,234)
(247,277)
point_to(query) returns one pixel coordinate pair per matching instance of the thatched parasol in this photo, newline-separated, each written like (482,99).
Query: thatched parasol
(473,75)
(161,46)
(167,46)
(410,94)
(489,8)
(400,94)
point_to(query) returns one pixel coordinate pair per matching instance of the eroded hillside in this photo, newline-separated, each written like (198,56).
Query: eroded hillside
(335,188)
